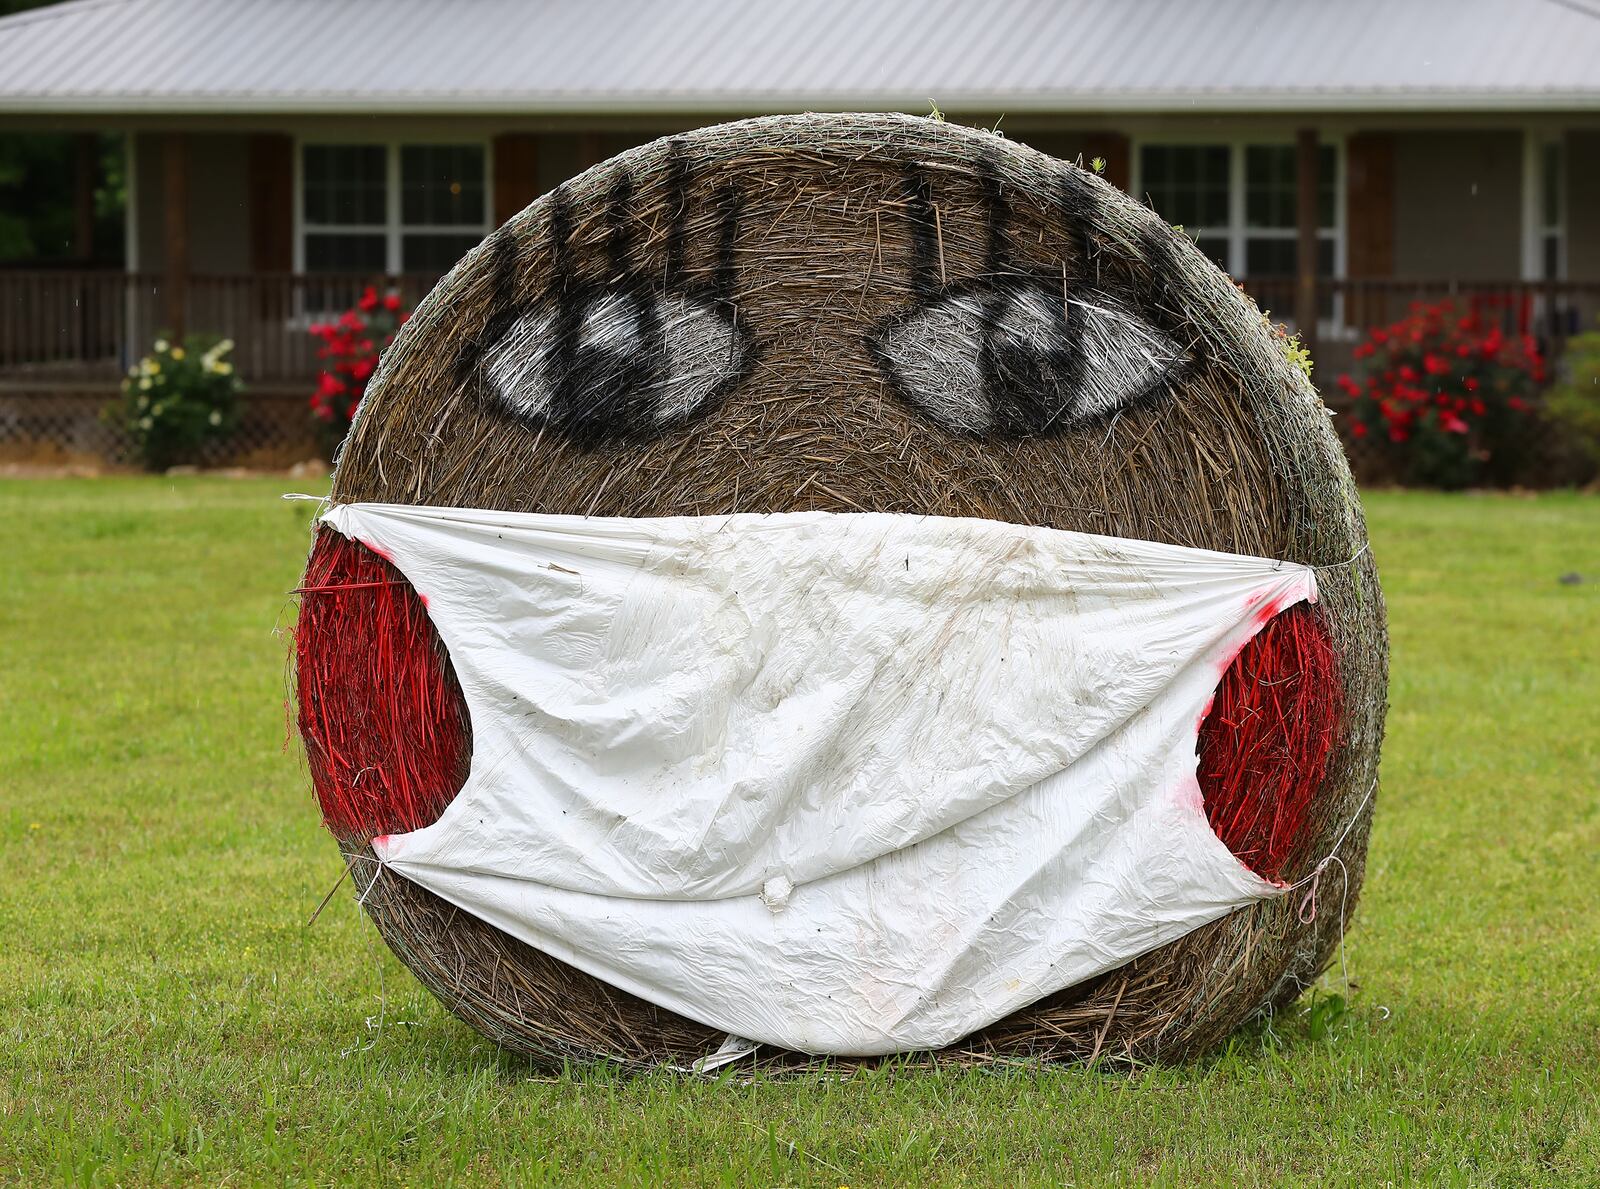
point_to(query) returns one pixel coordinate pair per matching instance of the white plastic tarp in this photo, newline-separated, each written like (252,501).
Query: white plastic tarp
(844,783)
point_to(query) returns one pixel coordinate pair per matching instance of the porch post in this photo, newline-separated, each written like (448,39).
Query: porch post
(83,197)
(1305,294)
(175,200)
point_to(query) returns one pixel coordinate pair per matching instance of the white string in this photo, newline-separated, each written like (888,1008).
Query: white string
(361,900)
(1309,900)
(1351,560)
(1333,854)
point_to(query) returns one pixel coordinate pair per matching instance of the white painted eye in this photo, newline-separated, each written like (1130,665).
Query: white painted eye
(618,365)
(1021,360)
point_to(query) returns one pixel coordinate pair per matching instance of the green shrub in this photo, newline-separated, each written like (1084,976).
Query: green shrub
(178,398)
(1574,403)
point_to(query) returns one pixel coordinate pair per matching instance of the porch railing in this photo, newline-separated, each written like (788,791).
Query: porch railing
(91,326)
(94,325)
(1551,311)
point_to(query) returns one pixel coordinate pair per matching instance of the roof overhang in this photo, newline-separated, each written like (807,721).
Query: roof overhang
(1052,103)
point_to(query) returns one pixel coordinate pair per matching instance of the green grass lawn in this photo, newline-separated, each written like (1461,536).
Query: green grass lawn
(166,1015)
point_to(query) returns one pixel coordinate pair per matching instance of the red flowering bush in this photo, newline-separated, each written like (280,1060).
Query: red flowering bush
(1447,392)
(350,347)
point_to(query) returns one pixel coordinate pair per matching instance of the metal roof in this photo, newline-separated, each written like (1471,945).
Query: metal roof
(593,56)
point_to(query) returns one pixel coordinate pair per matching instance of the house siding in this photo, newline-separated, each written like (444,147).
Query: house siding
(219,202)
(1446,203)
(1583,206)
(1458,204)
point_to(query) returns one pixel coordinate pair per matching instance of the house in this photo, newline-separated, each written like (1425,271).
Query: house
(1339,159)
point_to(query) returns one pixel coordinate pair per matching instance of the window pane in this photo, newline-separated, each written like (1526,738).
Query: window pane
(1216,247)
(1280,256)
(435,254)
(1154,162)
(1187,184)
(1259,163)
(1183,166)
(1552,257)
(335,252)
(1270,257)
(1327,187)
(1269,196)
(1551,181)
(346,184)
(441,185)
(1272,186)
(1214,206)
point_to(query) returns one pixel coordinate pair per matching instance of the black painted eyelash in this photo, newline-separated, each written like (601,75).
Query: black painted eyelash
(1011,353)
(627,357)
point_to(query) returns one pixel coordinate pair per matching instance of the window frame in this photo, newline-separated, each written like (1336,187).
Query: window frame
(394,229)
(1535,231)
(1237,232)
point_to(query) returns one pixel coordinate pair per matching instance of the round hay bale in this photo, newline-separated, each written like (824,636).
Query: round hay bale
(787,275)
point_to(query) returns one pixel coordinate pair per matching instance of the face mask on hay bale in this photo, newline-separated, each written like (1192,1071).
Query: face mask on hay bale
(858,314)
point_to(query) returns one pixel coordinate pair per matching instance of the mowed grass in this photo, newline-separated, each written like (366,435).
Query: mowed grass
(167,1016)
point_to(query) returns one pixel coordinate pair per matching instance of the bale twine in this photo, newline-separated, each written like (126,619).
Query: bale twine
(848,313)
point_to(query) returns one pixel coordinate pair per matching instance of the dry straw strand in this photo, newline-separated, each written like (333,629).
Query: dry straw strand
(794,238)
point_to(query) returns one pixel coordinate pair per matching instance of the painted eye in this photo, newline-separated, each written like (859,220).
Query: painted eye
(1020,359)
(618,365)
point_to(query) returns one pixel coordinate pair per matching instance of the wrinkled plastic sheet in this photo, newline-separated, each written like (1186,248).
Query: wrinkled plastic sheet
(842,783)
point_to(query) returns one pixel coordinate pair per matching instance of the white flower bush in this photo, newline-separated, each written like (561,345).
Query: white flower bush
(179,397)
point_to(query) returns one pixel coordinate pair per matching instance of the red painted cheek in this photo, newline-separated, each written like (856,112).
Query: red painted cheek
(386,731)
(1267,735)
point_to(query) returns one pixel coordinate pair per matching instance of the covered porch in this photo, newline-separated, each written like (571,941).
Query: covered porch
(1334,224)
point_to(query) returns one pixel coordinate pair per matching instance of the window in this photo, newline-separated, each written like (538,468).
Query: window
(1188,185)
(441,205)
(1271,200)
(1238,202)
(383,208)
(346,210)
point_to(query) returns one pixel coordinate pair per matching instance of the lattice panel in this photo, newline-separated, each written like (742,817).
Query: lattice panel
(59,424)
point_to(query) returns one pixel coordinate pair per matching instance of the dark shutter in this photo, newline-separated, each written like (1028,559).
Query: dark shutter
(271,202)
(516,173)
(1113,147)
(1369,167)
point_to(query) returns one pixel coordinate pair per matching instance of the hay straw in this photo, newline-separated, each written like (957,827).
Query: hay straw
(1234,453)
